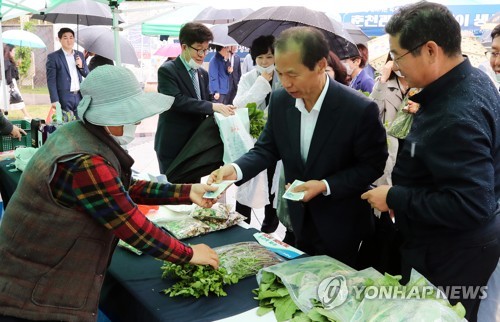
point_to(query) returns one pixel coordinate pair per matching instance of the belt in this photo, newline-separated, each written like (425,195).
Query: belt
(74,92)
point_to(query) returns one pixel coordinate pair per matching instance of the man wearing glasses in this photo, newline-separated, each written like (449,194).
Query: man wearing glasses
(185,79)
(446,181)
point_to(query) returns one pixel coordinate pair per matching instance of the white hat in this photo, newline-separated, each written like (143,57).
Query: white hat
(112,96)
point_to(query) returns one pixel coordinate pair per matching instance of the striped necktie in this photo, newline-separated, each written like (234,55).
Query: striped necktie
(196,85)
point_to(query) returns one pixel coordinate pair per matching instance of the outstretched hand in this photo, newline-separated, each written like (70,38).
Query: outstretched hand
(227,172)
(204,255)
(197,192)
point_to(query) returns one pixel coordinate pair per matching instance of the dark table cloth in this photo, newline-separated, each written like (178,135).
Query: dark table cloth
(133,283)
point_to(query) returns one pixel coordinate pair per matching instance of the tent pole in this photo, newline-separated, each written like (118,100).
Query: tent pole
(2,70)
(113,4)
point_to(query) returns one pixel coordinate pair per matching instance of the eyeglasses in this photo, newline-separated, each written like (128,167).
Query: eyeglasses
(492,54)
(200,52)
(395,59)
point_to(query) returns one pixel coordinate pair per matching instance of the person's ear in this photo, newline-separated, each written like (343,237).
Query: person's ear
(321,65)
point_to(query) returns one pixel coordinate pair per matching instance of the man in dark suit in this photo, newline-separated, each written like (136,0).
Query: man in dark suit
(192,105)
(65,69)
(234,68)
(445,197)
(328,136)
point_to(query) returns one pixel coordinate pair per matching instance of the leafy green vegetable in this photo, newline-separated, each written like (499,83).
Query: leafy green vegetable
(257,121)
(197,280)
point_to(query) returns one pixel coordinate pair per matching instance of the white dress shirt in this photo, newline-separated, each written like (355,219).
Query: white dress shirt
(308,122)
(73,72)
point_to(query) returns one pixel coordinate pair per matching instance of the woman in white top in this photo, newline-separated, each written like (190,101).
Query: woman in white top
(256,87)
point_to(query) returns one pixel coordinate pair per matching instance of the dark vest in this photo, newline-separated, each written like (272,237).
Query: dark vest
(52,258)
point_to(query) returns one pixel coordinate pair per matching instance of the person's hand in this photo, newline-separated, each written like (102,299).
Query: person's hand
(53,105)
(386,71)
(377,197)
(78,61)
(227,172)
(412,107)
(226,110)
(197,192)
(216,96)
(312,188)
(17,133)
(267,76)
(230,70)
(204,255)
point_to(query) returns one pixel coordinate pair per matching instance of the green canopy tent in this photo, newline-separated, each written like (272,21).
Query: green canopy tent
(171,22)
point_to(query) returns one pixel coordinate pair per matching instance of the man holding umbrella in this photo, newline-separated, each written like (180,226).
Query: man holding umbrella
(65,69)
(184,79)
(328,136)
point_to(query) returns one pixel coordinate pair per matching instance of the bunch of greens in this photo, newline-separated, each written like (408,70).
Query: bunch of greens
(197,280)
(246,258)
(257,120)
(274,296)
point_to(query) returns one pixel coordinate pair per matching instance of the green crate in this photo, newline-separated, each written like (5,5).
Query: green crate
(8,143)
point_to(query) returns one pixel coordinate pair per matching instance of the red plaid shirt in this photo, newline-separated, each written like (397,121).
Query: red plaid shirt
(89,184)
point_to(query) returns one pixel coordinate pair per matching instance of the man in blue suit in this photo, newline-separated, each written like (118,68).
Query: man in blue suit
(65,69)
(328,136)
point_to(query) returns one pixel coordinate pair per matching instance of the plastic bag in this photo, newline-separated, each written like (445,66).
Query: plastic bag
(303,276)
(401,125)
(215,224)
(23,156)
(220,212)
(237,141)
(246,258)
(185,227)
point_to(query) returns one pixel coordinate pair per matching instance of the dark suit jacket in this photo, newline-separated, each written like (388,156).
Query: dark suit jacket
(178,124)
(235,76)
(58,77)
(348,149)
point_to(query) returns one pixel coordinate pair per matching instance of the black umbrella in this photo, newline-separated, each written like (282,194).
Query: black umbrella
(201,155)
(79,12)
(273,20)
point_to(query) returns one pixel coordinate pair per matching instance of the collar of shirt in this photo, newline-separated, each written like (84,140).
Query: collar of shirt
(185,63)
(308,120)
(71,53)
(301,106)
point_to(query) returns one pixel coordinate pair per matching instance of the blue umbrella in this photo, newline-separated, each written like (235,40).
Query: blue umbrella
(22,38)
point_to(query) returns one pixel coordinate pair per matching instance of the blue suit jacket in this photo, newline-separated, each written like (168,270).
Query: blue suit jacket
(219,77)
(58,77)
(348,150)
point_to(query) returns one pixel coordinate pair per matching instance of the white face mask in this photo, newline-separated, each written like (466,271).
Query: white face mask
(398,73)
(128,135)
(191,62)
(497,76)
(269,69)
(347,68)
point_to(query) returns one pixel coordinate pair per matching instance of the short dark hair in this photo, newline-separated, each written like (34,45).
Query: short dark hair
(261,45)
(338,68)
(426,21)
(363,55)
(312,42)
(193,32)
(64,30)
(495,32)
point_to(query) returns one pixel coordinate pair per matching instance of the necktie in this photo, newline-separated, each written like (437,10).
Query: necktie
(196,85)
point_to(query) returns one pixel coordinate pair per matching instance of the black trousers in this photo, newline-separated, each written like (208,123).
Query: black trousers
(455,265)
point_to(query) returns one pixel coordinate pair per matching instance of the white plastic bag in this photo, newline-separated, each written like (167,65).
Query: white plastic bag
(234,132)
(23,156)
(235,137)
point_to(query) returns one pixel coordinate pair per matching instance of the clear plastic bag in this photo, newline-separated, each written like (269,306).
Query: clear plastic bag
(220,212)
(246,258)
(185,227)
(401,125)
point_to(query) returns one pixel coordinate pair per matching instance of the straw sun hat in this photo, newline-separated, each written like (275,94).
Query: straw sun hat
(112,96)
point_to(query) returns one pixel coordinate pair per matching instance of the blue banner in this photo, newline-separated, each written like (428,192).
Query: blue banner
(470,17)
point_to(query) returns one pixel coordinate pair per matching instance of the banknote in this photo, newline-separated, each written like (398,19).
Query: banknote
(295,196)
(221,187)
